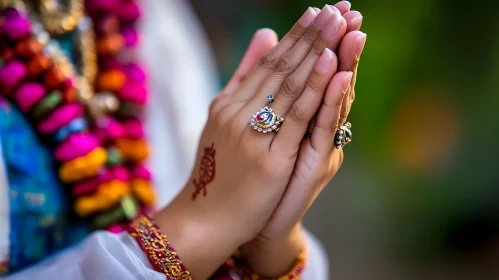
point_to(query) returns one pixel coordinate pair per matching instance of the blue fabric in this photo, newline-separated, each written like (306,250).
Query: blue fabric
(39,208)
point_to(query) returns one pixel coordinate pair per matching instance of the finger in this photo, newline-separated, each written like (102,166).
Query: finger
(287,140)
(263,41)
(350,50)
(322,139)
(292,87)
(354,20)
(267,62)
(348,62)
(343,6)
(292,59)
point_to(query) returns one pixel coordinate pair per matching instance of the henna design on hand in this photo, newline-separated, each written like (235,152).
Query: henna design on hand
(206,171)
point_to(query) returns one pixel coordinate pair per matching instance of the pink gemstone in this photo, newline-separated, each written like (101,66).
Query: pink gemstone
(262,117)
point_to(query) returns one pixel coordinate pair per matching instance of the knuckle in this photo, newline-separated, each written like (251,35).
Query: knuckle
(314,84)
(318,48)
(215,104)
(267,61)
(289,87)
(285,64)
(296,32)
(297,113)
(310,36)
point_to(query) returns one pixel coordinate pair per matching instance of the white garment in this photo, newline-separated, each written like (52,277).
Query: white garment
(107,256)
(182,79)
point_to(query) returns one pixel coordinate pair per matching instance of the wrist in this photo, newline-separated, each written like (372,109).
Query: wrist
(274,258)
(202,241)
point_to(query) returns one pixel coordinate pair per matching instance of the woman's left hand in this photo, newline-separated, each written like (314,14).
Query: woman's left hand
(274,251)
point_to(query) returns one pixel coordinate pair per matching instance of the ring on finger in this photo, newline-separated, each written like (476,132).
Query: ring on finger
(343,135)
(266,120)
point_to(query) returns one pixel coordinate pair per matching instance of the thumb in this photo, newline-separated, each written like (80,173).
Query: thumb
(263,40)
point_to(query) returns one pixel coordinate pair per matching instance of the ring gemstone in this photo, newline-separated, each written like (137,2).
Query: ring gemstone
(264,117)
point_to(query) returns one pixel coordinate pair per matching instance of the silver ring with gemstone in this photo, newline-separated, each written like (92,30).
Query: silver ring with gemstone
(343,135)
(266,120)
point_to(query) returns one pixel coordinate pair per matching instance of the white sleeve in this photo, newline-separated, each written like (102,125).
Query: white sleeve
(104,255)
(101,256)
(317,263)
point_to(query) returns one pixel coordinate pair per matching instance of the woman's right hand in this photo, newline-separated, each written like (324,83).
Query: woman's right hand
(241,174)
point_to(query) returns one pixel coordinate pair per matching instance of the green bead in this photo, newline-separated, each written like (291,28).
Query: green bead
(114,156)
(48,103)
(124,211)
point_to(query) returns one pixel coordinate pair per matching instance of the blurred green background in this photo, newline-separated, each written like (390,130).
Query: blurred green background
(418,194)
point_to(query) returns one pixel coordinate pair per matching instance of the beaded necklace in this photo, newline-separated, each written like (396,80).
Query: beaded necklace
(90,115)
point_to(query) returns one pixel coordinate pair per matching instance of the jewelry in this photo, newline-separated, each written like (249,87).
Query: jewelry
(154,243)
(45,82)
(59,18)
(343,135)
(270,98)
(266,120)
(295,272)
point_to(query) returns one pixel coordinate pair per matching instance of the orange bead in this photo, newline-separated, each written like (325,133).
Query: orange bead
(28,47)
(110,44)
(112,80)
(134,150)
(54,78)
(38,65)
(143,191)
(70,95)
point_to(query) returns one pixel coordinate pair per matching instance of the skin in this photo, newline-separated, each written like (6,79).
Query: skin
(264,183)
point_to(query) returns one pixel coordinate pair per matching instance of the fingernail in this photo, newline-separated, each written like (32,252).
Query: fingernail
(317,10)
(308,17)
(349,4)
(361,41)
(346,82)
(331,28)
(323,16)
(357,21)
(324,63)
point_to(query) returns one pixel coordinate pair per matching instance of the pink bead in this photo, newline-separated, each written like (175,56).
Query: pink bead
(28,94)
(133,92)
(109,62)
(11,73)
(109,129)
(60,117)
(135,73)
(16,28)
(139,171)
(121,173)
(85,188)
(134,128)
(129,11)
(103,5)
(131,36)
(76,145)
(117,228)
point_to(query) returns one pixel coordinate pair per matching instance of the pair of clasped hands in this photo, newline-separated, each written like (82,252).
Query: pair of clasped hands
(261,185)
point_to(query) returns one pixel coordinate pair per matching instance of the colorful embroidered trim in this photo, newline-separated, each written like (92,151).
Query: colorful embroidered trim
(161,255)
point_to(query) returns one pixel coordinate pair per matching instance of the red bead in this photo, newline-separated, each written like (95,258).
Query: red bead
(28,47)
(7,54)
(54,78)
(70,95)
(38,65)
